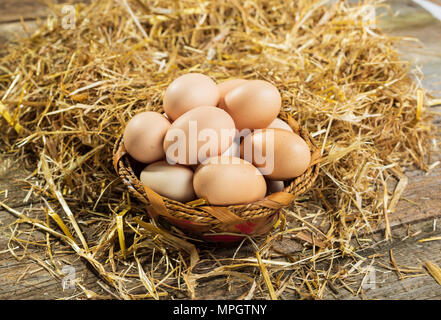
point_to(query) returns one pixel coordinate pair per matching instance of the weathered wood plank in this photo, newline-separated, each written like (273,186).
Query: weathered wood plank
(18,15)
(420,201)
(29,280)
(423,188)
(408,253)
(12,10)
(15,10)
(26,278)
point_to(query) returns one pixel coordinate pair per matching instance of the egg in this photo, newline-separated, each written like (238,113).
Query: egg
(280,124)
(171,181)
(234,149)
(227,86)
(226,180)
(253,104)
(273,186)
(189,91)
(279,154)
(198,134)
(144,135)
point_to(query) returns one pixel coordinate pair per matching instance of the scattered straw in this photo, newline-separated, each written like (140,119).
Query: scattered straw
(429,239)
(434,270)
(266,277)
(394,264)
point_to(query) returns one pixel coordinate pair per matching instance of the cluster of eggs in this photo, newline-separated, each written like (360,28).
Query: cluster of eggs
(206,143)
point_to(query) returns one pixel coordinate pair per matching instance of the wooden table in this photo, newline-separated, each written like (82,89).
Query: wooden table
(28,278)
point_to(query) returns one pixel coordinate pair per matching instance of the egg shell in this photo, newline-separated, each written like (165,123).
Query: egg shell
(254,104)
(234,149)
(227,86)
(273,186)
(144,135)
(226,180)
(171,181)
(280,124)
(198,134)
(279,154)
(189,91)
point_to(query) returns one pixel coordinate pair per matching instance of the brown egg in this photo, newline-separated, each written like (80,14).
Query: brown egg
(144,135)
(227,86)
(189,91)
(279,154)
(226,180)
(254,104)
(273,186)
(198,134)
(233,150)
(171,181)
(279,124)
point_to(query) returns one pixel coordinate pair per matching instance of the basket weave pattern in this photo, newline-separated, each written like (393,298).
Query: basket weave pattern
(204,220)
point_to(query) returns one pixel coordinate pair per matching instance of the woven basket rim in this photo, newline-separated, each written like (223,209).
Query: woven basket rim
(198,213)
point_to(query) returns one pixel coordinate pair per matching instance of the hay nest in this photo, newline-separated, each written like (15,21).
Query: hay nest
(67,93)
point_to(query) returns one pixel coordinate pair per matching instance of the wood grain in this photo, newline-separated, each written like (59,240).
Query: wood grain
(408,253)
(420,201)
(15,15)
(12,10)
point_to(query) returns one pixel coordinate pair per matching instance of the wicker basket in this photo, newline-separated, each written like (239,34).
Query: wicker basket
(217,223)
